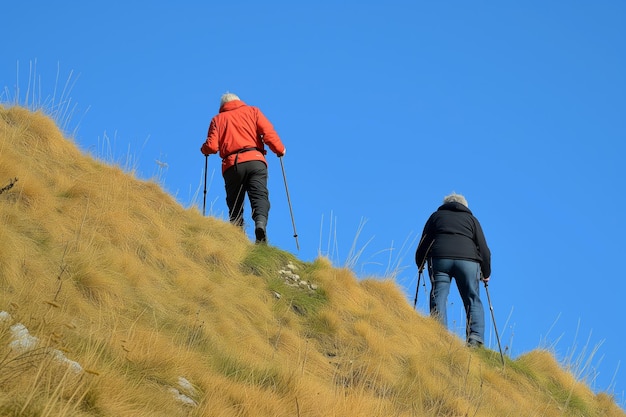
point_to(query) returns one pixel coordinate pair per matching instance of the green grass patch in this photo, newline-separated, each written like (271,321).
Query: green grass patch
(266,261)
(492,357)
(564,397)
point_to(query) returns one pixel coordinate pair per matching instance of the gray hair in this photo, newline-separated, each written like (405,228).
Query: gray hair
(228,97)
(455,198)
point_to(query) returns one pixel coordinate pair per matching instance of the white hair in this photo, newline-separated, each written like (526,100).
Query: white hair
(455,198)
(226,97)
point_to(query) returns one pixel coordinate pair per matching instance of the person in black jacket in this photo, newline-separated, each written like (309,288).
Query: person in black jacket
(455,247)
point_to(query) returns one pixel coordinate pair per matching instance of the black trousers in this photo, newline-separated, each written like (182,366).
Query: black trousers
(247,178)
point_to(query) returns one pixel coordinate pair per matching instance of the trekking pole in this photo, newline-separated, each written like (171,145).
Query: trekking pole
(421,269)
(419,278)
(493,318)
(293,222)
(206,165)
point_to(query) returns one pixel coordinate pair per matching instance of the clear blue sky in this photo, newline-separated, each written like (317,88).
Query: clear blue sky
(385,107)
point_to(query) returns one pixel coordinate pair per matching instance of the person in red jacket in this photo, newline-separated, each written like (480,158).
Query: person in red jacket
(239,133)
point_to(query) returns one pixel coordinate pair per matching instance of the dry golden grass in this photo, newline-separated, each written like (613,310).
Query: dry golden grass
(110,272)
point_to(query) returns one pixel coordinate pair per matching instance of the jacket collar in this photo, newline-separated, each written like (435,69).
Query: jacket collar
(232,105)
(454,206)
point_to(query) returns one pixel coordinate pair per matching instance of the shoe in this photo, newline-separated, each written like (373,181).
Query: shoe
(259,231)
(473,343)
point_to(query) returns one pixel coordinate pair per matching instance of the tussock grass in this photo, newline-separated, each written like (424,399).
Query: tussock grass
(142,293)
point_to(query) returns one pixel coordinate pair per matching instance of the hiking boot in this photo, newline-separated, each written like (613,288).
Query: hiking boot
(473,343)
(259,230)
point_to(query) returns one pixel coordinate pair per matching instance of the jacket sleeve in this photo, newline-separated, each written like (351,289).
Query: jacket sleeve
(483,249)
(422,248)
(269,135)
(211,145)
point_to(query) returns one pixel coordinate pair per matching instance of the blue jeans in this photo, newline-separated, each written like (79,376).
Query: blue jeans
(467,276)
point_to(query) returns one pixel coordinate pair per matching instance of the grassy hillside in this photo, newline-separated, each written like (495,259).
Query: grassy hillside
(117,301)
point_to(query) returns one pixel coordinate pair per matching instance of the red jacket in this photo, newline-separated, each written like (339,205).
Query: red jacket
(238,126)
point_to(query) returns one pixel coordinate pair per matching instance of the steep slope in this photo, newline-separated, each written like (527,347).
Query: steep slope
(117,301)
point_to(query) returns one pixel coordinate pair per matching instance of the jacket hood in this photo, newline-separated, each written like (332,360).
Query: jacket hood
(232,105)
(454,206)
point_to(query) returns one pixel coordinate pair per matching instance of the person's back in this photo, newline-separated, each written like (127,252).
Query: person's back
(456,234)
(238,127)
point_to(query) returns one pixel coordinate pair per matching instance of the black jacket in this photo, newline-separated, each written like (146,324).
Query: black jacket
(453,232)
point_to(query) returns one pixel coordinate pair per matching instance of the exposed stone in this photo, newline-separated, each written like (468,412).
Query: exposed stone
(22,342)
(5,317)
(184,392)
(294,280)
